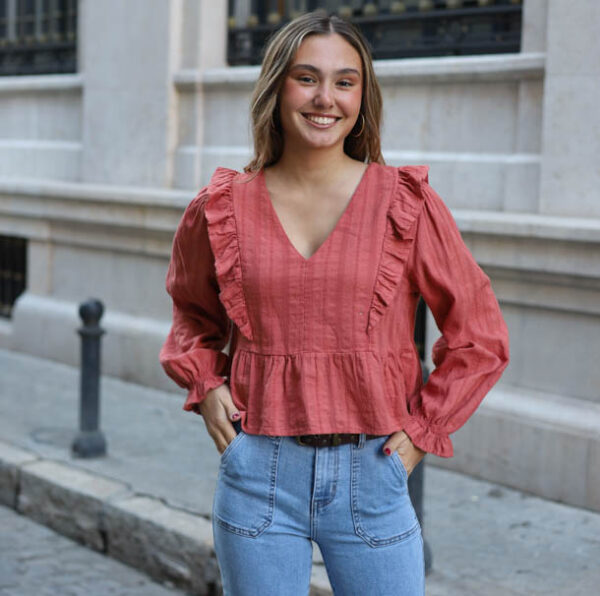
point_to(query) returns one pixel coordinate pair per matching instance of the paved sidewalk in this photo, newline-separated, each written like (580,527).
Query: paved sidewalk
(34,561)
(148,502)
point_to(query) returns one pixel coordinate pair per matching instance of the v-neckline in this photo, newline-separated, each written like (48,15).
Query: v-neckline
(281,229)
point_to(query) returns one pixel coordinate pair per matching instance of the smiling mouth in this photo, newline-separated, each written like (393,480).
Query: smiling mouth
(321,120)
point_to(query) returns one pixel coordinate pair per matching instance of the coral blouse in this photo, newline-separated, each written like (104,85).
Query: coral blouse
(325,344)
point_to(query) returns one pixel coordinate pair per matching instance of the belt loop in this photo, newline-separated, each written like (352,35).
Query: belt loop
(362,439)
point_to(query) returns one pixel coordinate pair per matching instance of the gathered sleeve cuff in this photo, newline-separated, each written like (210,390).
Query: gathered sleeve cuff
(473,350)
(192,353)
(429,437)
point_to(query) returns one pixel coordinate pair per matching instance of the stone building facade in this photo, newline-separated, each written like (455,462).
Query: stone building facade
(96,168)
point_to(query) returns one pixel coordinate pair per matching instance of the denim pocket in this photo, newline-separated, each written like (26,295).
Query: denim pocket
(395,457)
(231,446)
(245,493)
(382,511)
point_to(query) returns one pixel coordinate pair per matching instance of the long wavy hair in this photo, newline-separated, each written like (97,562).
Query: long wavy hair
(267,133)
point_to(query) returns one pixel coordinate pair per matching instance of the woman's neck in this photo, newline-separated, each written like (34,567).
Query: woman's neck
(312,168)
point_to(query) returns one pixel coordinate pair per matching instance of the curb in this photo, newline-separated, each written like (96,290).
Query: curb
(168,544)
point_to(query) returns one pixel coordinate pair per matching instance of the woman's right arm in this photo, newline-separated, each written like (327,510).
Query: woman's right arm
(192,353)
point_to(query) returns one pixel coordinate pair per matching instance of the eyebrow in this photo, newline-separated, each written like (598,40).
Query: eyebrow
(314,69)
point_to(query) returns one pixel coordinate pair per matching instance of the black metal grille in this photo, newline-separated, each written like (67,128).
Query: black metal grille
(409,29)
(38,37)
(13,272)
(420,327)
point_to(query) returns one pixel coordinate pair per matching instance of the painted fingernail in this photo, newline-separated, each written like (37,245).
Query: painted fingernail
(235,416)
(387,451)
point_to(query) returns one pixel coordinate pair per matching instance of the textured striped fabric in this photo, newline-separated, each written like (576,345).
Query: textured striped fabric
(325,344)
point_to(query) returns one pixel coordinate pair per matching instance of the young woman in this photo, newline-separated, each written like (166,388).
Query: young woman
(318,254)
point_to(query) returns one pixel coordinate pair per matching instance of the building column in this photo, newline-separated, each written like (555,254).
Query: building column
(570,175)
(130,51)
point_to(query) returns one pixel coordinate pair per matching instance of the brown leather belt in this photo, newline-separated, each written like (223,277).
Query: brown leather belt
(332,439)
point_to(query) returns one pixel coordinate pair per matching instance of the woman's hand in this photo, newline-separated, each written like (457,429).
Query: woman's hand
(409,453)
(218,409)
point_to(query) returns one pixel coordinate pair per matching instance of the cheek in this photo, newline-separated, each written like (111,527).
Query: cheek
(353,101)
(358,99)
(292,96)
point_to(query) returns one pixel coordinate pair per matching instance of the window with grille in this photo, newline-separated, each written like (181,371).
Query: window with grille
(13,274)
(38,37)
(394,29)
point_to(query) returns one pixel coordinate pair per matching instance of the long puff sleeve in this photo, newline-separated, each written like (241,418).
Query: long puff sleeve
(192,353)
(473,350)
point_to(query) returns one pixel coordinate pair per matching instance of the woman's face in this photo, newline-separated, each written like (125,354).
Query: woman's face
(321,96)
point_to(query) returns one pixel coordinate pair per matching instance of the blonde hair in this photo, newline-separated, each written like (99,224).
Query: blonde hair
(364,144)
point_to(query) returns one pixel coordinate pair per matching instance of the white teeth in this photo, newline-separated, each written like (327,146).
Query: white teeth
(320,119)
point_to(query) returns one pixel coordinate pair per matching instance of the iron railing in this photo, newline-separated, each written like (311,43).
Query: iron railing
(38,37)
(408,29)
(420,327)
(13,272)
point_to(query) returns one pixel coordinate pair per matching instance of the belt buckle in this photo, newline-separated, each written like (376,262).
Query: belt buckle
(335,440)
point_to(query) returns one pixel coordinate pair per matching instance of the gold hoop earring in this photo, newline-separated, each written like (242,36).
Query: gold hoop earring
(362,128)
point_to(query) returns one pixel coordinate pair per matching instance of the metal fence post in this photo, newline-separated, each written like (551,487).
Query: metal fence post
(90,441)
(415,489)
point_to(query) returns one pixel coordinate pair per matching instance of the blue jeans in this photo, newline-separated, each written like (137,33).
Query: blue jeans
(274,496)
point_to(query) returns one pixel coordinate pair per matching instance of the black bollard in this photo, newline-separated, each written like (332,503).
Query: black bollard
(90,441)
(415,489)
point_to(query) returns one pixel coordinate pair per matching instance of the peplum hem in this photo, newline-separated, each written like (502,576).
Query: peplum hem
(405,205)
(428,438)
(315,392)
(223,236)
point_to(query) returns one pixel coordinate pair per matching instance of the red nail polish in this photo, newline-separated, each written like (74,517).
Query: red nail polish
(387,451)
(235,416)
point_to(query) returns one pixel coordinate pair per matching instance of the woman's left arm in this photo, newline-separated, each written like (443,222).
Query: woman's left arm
(473,350)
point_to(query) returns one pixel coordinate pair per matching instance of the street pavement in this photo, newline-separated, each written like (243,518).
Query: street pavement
(35,561)
(148,501)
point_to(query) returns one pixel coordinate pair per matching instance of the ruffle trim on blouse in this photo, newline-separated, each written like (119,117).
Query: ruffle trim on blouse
(427,438)
(223,236)
(405,205)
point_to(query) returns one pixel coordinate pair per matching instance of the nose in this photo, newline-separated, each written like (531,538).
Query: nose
(324,97)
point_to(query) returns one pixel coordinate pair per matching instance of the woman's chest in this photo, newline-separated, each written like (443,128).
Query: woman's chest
(334,284)
(307,219)
(306,225)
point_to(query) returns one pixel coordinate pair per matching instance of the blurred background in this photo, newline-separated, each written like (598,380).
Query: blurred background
(114,113)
